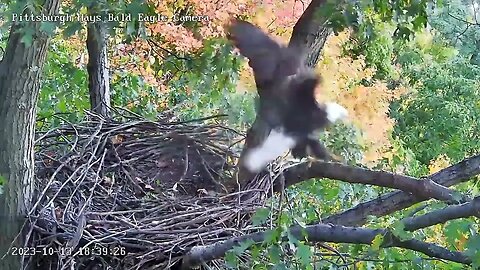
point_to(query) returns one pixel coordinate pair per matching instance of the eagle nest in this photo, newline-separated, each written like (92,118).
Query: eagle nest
(135,194)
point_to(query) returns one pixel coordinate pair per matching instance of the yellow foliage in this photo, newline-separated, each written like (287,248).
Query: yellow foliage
(437,235)
(461,242)
(367,106)
(424,39)
(360,265)
(441,162)
(246,81)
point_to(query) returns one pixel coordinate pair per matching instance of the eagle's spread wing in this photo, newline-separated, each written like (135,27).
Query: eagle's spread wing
(269,60)
(288,111)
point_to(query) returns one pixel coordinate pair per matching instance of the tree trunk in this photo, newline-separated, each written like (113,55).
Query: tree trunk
(310,32)
(97,67)
(20,71)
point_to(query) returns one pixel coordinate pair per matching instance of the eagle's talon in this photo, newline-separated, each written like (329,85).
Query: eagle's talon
(310,161)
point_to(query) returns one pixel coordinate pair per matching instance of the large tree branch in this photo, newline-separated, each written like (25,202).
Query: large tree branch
(425,188)
(310,32)
(325,233)
(340,234)
(395,201)
(443,215)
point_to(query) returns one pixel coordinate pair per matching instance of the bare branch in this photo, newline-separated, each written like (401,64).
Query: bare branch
(443,215)
(325,233)
(154,43)
(395,201)
(463,20)
(425,188)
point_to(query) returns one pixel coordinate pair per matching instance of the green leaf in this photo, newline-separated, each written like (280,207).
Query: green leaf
(419,22)
(403,32)
(136,7)
(275,254)
(62,105)
(72,28)
(238,250)
(280,266)
(326,11)
(27,37)
(271,236)
(304,253)
(256,251)
(261,216)
(292,240)
(377,242)
(473,250)
(48,27)
(398,230)
(231,259)
(284,219)
(331,192)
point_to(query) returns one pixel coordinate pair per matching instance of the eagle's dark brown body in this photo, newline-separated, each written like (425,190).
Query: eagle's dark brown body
(288,109)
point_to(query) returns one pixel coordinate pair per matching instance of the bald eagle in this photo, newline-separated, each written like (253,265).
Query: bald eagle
(288,116)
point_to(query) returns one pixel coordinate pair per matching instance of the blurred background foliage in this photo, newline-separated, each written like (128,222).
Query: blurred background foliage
(414,104)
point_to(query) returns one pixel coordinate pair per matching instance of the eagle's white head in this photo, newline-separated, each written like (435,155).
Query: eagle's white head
(335,112)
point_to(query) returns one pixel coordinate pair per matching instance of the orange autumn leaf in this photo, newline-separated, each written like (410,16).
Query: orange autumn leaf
(367,105)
